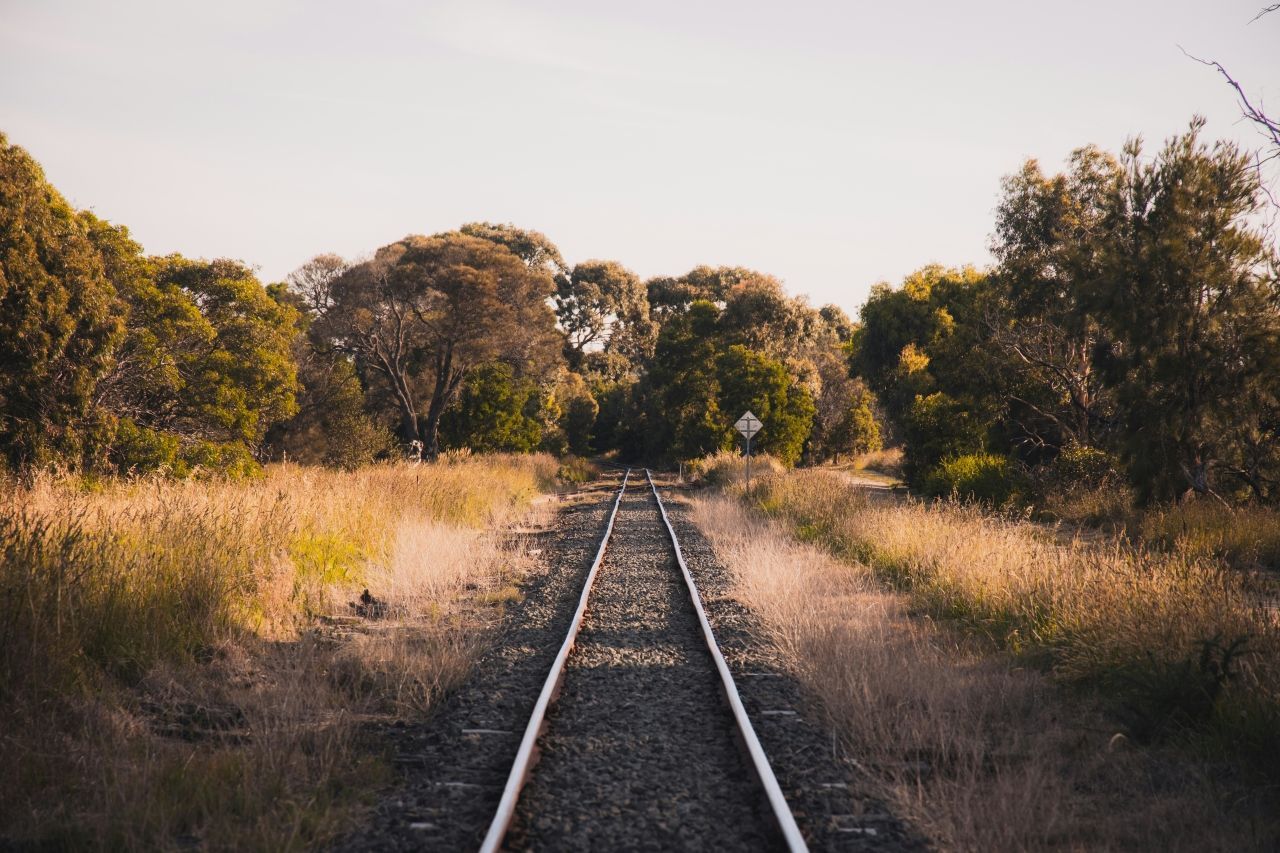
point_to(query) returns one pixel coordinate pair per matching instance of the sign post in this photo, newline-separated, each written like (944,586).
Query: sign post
(748,425)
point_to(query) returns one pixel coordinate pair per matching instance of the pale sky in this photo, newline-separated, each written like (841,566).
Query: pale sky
(830,144)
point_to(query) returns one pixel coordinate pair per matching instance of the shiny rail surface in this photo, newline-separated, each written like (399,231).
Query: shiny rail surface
(528,743)
(759,761)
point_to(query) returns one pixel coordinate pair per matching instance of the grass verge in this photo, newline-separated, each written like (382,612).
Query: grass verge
(1187,648)
(977,750)
(179,661)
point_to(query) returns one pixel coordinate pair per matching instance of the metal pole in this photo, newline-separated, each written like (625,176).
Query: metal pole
(748,464)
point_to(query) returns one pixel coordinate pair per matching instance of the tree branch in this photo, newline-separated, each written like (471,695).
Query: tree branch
(1270,127)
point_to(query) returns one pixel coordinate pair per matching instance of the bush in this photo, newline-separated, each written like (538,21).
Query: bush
(1083,468)
(938,427)
(357,439)
(982,477)
(728,467)
(1082,485)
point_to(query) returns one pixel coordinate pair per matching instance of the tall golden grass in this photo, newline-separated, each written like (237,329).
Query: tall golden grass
(1186,642)
(978,752)
(1244,536)
(178,659)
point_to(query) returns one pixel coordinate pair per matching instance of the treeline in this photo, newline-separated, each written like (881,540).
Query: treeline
(484,338)
(1130,331)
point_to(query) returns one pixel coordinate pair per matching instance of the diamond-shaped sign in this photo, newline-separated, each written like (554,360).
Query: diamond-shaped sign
(748,424)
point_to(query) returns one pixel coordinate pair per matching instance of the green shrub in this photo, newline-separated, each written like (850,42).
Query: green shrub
(1083,468)
(937,428)
(982,477)
(140,450)
(357,439)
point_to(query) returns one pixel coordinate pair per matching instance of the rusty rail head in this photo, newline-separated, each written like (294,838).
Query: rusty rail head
(524,755)
(759,761)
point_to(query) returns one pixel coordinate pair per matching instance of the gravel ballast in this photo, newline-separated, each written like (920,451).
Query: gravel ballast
(639,752)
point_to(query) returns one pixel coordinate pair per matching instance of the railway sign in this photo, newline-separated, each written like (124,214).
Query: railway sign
(748,425)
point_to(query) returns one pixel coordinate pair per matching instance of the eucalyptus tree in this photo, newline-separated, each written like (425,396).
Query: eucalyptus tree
(602,305)
(1190,302)
(425,311)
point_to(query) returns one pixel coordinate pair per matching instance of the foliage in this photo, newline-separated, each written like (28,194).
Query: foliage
(1047,243)
(1189,304)
(1134,311)
(938,427)
(577,410)
(603,304)
(59,318)
(845,421)
(495,411)
(426,311)
(752,381)
(981,477)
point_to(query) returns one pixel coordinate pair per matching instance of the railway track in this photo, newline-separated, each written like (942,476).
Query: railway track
(640,750)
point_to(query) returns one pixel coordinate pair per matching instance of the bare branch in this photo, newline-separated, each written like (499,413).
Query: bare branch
(1272,8)
(1269,126)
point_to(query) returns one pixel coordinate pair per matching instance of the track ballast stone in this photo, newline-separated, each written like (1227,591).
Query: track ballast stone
(639,752)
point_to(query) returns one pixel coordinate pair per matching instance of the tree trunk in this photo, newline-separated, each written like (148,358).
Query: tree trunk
(409,431)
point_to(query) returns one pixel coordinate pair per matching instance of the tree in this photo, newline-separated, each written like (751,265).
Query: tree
(497,410)
(313,283)
(575,411)
(752,381)
(532,247)
(678,414)
(1050,242)
(902,328)
(603,305)
(1266,124)
(838,322)
(206,358)
(59,318)
(331,425)
(760,316)
(669,297)
(1189,303)
(426,311)
(844,420)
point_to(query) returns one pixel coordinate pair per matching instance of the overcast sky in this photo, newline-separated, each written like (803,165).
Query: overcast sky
(830,144)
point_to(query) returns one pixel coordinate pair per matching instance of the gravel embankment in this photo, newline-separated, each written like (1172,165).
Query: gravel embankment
(453,765)
(640,751)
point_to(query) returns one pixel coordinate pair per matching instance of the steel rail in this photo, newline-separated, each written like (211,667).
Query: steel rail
(760,762)
(528,744)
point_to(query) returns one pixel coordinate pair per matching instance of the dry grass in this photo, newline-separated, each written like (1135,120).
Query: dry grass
(1245,536)
(1097,610)
(887,462)
(979,753)
(178,662)
(730,467)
